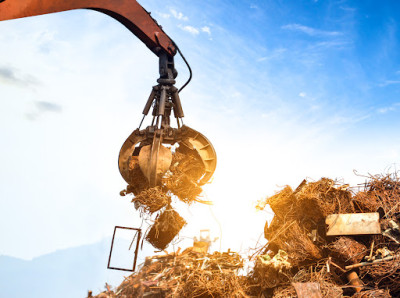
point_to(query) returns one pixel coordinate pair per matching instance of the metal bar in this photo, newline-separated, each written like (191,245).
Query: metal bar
(162,101)
(353,224)
(112,245)
(178,105)
(121,269)
(177,101)
(141,122)
(137,249)
(149,101)
(370,263)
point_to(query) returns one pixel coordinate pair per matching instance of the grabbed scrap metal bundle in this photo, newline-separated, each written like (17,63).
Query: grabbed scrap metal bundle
(182,179)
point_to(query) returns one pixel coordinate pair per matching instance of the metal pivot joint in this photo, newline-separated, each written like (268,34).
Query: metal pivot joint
(164,97)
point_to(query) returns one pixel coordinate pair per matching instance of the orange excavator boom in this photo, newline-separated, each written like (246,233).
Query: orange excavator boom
(128,12)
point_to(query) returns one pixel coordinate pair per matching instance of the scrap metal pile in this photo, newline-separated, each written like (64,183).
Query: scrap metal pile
(155,204)
(325,240)
(186,274)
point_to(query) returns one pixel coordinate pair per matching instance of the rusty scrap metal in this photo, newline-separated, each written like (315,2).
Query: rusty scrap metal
(355,281)
(362,264)
(353,224)
(188,274)
(307,289)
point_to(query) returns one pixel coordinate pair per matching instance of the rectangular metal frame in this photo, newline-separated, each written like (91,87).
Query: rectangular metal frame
(139,233)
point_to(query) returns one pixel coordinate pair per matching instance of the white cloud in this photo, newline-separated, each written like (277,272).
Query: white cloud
(163,15)
(275,54)
(347,8)
(41,107)
(13,76)
(302,94)
(310,31)
(391,108)
(206,29)
(178,15)
(190,29)
(345,119)
(389,82)
(385,110)
(332,44)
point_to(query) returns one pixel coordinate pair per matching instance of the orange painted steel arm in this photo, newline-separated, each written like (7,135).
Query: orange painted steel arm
(128,12)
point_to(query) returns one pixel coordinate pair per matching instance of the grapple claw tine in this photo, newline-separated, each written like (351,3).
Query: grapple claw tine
(155,160)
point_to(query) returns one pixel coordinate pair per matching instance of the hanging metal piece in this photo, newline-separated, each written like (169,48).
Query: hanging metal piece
(137,237)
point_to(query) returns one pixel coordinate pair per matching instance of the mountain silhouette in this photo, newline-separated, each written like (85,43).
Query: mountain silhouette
(69,272)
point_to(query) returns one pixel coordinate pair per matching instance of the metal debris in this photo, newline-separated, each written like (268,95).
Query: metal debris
(300,259)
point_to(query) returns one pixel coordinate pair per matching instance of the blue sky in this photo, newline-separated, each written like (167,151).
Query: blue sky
(283,89)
